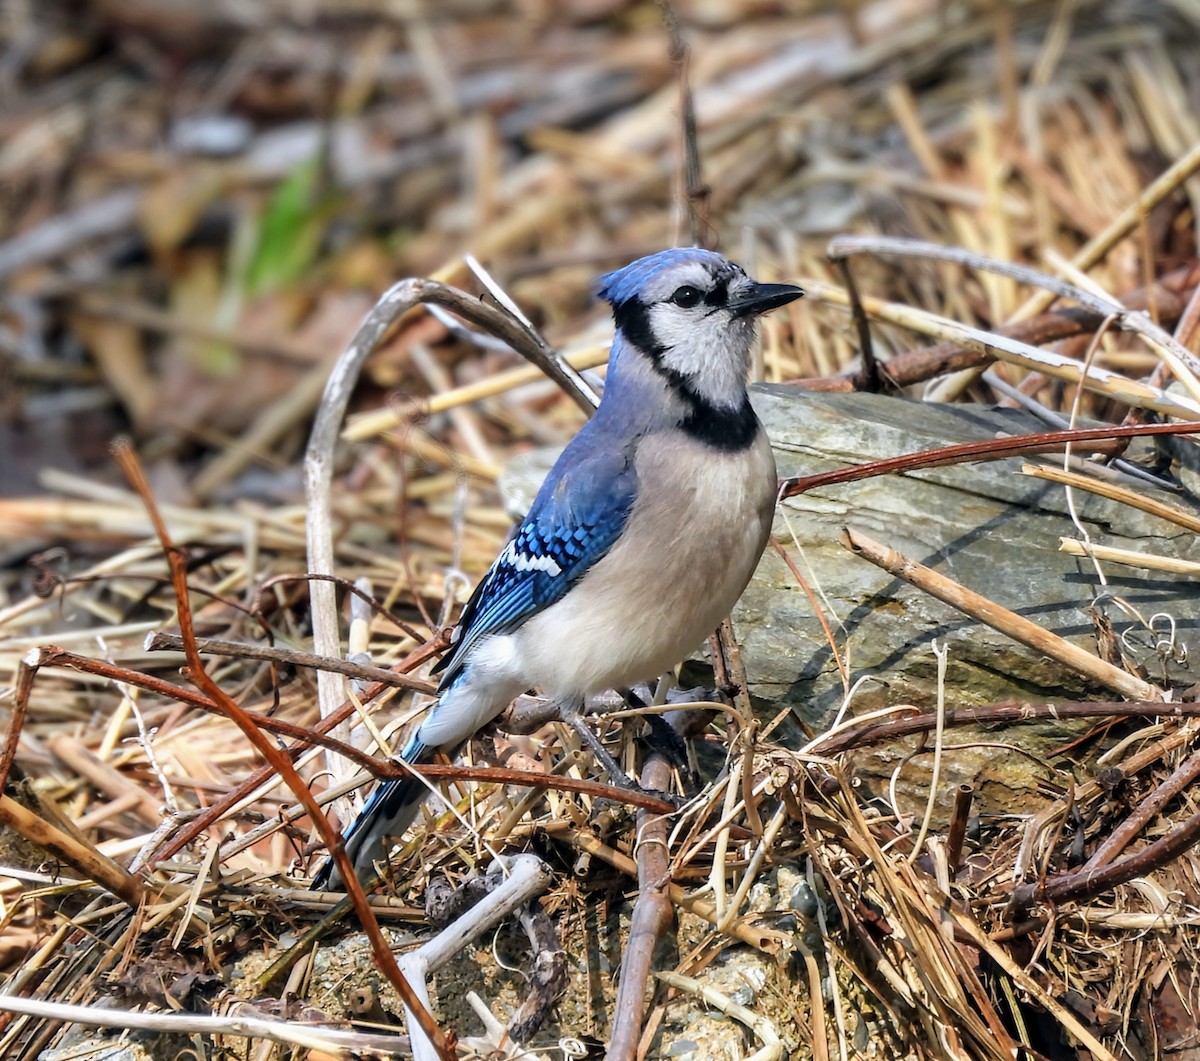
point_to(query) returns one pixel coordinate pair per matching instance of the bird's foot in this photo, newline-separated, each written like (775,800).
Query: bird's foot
(676,799)
(617,777)
(665,736)
(665,739)
(574,718)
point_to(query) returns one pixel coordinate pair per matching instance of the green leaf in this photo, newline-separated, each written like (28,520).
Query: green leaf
(290,234)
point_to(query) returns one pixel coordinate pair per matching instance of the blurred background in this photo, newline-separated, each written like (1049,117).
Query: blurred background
(200,201)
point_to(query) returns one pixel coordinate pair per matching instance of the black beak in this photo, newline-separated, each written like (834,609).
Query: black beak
(758,298)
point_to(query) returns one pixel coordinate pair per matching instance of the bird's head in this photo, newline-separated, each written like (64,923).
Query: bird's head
(691,313)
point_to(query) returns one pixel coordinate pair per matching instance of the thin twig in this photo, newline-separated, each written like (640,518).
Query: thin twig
(278,759)
(1122,495)
(1123,835)
(164,642)
(956,833)
(869,374)
(988,449)
(875,731)
(691,193)
(25,675)
(334,1042)
(999,618)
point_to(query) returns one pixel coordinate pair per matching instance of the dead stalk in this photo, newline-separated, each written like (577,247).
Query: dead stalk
(956,834)
(652,916)
(1002,619)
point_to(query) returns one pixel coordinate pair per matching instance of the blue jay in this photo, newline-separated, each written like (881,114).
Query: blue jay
(642,537)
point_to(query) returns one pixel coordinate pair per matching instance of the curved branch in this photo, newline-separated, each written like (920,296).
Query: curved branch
(318,459)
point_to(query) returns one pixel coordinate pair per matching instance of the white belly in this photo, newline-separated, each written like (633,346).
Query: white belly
(694,536)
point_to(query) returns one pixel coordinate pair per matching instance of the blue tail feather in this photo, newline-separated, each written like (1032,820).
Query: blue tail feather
(389,810)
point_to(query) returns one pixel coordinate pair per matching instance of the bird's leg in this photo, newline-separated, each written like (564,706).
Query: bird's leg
(571,712)
(663,735)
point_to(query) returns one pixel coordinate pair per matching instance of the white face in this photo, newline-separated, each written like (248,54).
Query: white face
(699,336)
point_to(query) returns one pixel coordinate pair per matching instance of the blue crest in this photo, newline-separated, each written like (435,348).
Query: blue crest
(623,284)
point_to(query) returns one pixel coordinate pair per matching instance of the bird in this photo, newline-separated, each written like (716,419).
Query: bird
(641,538)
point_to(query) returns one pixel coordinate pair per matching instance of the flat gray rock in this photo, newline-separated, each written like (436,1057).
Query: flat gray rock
(984,525)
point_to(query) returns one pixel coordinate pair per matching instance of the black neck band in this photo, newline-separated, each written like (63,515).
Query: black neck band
(724,429)
(729,430)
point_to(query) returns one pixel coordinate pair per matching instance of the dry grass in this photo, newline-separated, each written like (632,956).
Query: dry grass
(1058,136)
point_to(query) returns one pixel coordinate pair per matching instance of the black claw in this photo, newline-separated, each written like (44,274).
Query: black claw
(677,801)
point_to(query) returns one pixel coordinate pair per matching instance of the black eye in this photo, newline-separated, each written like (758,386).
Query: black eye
(686,296)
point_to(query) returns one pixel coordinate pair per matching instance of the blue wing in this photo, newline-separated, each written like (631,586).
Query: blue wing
(576,517)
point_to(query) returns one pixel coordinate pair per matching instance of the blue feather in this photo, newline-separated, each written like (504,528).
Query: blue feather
(575,519)
(628,282)
(392,806)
